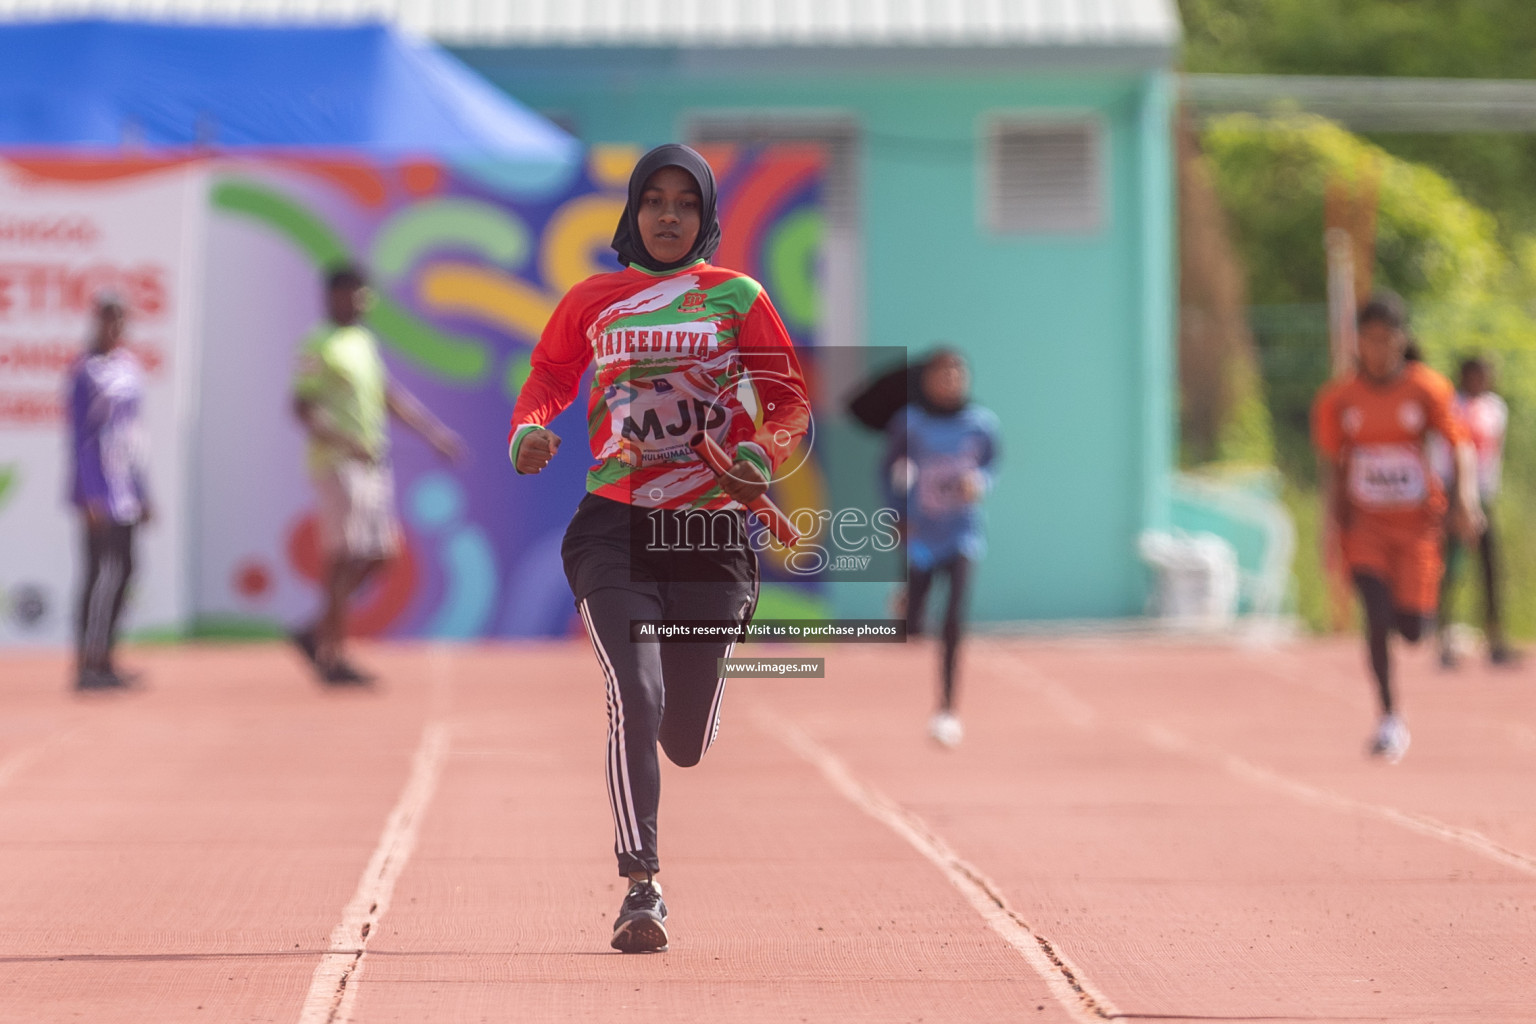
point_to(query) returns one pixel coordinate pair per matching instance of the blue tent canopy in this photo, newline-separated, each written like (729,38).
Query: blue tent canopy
(368,88)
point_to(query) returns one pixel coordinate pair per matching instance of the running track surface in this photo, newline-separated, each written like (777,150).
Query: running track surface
(1131,830)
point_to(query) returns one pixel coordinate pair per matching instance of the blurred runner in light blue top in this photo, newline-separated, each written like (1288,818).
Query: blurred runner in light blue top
(941,452)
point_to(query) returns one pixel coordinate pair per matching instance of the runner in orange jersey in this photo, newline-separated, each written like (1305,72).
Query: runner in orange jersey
(1390,510)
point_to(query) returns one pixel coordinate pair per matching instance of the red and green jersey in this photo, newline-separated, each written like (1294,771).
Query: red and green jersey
(700,348)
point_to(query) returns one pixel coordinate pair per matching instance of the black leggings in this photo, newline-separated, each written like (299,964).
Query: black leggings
(658,692)
(919,582)
(1488,555)
(108,569)
(1381,618)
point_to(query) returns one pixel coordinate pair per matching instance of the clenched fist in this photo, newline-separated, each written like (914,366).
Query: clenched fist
(744,482)
(535,451)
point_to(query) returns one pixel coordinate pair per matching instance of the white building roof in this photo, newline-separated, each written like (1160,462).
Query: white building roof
(687,23)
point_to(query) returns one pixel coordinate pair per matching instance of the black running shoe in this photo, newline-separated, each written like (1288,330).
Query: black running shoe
(343,673)
(1504,656)
(641,924)
(305,641)
(100,679)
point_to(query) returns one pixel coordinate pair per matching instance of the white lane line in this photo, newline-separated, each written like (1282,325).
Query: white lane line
(1283,667)
(1468,839)
(1067,984)
(333,989)
(1075,711)
(1082,715)
(19,760)
(440,670)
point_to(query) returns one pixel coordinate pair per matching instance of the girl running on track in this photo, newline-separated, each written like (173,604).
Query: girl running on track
(680,347)
(941,451)
(1370,429)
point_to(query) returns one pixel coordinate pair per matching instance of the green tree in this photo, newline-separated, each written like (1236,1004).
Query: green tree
(1432,242)
(1469,291)
(1424,38)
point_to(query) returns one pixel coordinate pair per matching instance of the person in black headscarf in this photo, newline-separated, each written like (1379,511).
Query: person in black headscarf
(632,242)
(658,538)
(941,459)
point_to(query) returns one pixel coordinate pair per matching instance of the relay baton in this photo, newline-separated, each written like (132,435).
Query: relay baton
(762,506)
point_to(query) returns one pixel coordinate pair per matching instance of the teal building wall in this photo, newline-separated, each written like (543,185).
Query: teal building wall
(1070,336)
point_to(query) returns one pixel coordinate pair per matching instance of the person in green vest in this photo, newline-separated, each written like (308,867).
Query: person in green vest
(342,395)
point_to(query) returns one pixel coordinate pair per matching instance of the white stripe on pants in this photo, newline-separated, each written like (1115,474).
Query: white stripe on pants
(620,796)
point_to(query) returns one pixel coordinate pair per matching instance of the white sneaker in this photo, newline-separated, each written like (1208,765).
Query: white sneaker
(946,729)
(1391,740)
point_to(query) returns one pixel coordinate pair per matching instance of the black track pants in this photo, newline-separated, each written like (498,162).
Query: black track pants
(1381,620)
(1488,552)
(919,582)
(107,571)
(667,693)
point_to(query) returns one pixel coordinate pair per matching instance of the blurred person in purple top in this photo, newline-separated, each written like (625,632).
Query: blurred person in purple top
(109,487)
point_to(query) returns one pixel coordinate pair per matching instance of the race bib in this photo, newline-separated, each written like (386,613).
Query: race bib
(653,418)
(941,484)
(1388,476)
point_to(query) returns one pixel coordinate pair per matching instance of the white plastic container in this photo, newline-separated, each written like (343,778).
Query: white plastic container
(1196,578)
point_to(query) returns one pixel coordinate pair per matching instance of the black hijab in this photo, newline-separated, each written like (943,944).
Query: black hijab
(627,241)
(881,399)
(938,354)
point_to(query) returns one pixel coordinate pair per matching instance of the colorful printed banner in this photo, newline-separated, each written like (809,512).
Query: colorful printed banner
(69,230)
(467,268)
